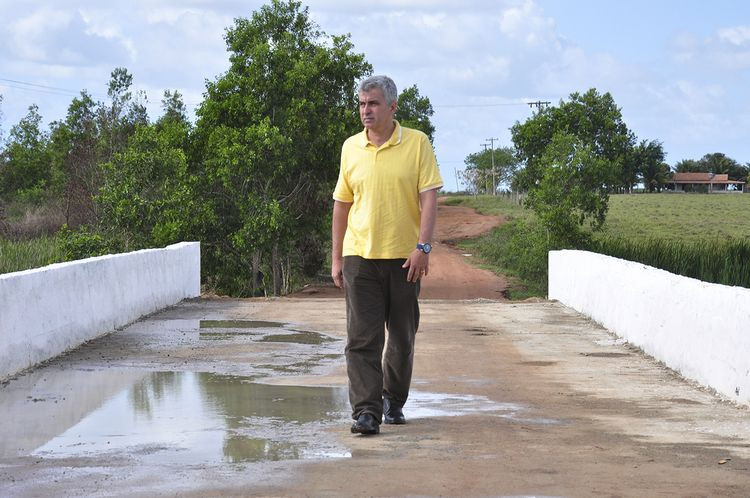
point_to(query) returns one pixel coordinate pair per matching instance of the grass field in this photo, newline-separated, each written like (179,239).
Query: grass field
(677,217)
(682,217)
(26,254)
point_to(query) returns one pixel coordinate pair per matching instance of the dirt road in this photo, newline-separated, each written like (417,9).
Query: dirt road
(225,397)
(451,277)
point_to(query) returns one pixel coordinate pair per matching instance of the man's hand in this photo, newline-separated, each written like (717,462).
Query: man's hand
(337,272)
(418,264)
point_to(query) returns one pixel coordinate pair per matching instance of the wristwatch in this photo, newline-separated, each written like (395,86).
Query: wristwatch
(425,248)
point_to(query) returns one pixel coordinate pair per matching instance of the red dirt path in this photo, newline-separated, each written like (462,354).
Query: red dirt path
(451,277)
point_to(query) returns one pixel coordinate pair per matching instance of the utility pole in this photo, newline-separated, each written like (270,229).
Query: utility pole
(485,149)
(539,103)
(492,148)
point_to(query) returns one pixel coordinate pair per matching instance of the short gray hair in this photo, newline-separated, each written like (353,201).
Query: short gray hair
(384,83)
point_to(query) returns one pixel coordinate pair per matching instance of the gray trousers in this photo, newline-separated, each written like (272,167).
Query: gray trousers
(378,296)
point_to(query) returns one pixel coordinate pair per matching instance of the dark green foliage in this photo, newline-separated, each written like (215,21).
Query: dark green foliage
(570,198)
(26,173)
(716,163)
(593,118)
(415,111)
(145,199)
(653,170)
(719,261)
(266,149)
(83,243)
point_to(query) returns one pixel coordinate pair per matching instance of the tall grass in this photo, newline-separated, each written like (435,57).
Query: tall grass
(719,261)
(26,254)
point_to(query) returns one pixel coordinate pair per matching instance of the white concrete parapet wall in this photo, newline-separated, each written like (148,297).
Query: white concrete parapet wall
(699,329)
(46,311)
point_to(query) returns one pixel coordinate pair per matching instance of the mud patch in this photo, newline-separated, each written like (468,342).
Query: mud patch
(605,355)
(238,324)
(299,337)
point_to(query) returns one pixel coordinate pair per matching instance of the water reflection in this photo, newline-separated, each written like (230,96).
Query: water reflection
(202,418)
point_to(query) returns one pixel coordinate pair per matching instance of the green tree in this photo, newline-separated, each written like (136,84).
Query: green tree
(266,148)
(593,118)
(570,199)
(77,153)
(688,166)
(415,111)
(145,199)
(653,170)
(125,111)
(720,164)
(479,171)
(716,163)
(26,169)
(174,123)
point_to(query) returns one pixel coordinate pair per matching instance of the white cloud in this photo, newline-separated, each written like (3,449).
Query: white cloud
(107,24)
(738,35)
(528,23)
(29,35)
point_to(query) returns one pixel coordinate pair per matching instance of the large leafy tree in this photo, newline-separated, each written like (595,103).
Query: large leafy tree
(593,119)
(415,111)
(266,148)
(570,199)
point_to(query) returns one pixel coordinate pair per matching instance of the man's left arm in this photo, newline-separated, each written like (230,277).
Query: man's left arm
(418,262)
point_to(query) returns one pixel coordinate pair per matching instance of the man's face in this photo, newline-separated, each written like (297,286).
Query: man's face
(375,114)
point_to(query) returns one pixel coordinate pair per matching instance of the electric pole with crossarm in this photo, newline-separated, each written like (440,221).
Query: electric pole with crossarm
(492,152)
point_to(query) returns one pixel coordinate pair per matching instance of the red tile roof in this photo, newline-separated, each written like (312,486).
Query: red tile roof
(702,178)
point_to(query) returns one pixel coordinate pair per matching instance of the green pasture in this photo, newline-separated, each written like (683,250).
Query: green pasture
(679,217)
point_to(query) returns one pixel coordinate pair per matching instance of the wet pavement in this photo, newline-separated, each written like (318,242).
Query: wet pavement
(232,397)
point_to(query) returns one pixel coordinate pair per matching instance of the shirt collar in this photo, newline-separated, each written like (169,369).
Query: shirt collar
(394,140)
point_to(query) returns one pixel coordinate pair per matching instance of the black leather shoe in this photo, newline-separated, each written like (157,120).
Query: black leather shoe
(392,413)
(365,424)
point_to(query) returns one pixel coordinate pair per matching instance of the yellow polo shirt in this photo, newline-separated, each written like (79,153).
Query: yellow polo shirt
(384,184)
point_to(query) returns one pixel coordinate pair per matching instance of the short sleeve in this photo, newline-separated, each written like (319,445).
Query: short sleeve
(429,174)
(343,192)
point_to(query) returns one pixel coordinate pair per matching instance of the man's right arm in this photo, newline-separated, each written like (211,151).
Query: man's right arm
(338,230)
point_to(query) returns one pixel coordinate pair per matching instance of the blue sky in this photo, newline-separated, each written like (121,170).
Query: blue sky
(680,70)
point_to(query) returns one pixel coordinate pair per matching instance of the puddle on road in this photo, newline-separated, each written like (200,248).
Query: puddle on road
(206,418)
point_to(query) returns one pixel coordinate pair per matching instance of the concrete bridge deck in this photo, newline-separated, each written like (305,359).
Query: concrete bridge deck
(248,397)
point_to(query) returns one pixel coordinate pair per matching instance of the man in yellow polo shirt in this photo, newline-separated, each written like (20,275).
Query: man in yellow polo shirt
(385,205)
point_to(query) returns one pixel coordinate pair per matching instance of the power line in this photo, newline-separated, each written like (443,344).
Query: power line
(481,105)
(39,86)
(53,90)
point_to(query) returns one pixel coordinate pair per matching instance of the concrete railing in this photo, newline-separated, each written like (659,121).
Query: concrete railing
(699,329)
(49,310)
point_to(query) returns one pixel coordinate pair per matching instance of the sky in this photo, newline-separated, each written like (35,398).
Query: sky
(678,69)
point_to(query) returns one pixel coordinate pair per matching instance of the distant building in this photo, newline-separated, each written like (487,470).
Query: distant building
(704,182)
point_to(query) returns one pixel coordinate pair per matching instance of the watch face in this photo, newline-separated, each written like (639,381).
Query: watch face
(427,247)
